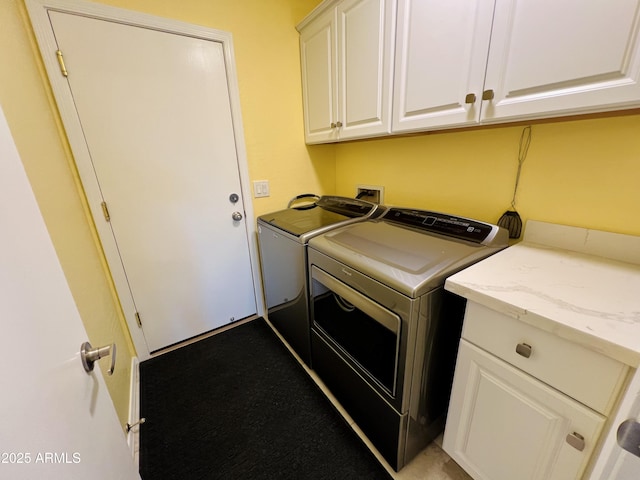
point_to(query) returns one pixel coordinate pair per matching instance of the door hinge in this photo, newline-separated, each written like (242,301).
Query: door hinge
(138,320)
(63,69)
(105,211)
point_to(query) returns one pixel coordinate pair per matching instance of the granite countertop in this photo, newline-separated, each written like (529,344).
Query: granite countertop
(583,285)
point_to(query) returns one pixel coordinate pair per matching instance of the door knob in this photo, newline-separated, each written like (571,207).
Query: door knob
(90,355)
(237,216)
(628,436)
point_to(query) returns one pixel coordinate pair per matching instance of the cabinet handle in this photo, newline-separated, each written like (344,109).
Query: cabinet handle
(333,124)
(576,441)
(338,124)
(470,98)
(524,350)
(488,95)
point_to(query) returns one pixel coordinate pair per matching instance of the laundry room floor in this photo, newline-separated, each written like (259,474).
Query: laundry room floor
(431,464)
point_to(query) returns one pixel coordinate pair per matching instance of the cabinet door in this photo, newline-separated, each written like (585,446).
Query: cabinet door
(365,49)
(441,52)
(318,61)
(503,424)
(559,58)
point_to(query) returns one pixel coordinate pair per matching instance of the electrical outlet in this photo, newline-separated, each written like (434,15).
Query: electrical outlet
(370,193)
(261,188)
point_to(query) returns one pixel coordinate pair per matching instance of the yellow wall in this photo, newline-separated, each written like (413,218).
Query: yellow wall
(581,172)
(267,60)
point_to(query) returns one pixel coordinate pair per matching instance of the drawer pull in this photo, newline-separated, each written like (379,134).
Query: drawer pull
(576,441)
(524,350)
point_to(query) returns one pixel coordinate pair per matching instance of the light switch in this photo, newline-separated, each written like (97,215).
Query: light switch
(261,188)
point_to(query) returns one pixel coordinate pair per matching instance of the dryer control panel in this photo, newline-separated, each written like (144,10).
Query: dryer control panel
(444,224)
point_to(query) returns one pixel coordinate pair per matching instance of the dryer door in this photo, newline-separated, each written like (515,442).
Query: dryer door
(366,333)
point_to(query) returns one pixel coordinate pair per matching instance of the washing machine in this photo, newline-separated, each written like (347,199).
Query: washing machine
(283,237)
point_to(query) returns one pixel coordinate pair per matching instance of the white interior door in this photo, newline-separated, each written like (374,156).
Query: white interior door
(58,421)
(155,115)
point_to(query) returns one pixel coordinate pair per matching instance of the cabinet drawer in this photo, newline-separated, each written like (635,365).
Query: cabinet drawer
(587,376)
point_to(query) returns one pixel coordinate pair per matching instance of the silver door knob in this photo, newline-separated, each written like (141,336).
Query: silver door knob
(628,436)
(90,355)
(237,216)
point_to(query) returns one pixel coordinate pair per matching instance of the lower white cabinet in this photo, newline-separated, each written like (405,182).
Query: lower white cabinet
(526,403)
(504,424)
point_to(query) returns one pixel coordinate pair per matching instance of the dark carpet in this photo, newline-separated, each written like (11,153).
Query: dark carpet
(238,405)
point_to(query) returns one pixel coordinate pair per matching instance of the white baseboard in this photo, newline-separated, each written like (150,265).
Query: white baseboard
(133,436)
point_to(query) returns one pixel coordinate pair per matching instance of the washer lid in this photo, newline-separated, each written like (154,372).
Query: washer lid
(327,211)
(409,260)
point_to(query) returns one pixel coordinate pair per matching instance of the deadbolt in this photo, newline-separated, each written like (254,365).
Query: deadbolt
(233,198)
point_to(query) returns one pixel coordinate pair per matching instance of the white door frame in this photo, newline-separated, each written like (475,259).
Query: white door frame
(46,40)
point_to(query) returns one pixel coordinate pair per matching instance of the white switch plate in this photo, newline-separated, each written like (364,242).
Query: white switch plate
(261,188)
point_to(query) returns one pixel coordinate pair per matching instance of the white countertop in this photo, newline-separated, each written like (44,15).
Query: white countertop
(583,285)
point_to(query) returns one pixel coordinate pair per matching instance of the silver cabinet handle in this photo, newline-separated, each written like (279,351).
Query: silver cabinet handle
(90,355)
(628,436)
(524,350)
(576,441)
(237,216)
(488,95)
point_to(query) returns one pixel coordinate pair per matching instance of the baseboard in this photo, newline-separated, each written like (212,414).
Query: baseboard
(133,435)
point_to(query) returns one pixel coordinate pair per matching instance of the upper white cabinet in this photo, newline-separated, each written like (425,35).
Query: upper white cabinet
(441,56)
(553,58)
(346,54)
(463,62)
(466,62)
